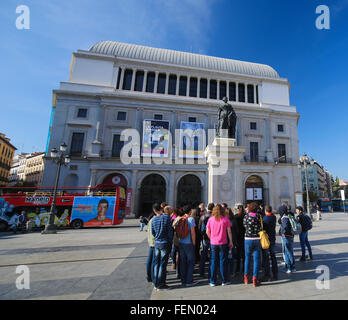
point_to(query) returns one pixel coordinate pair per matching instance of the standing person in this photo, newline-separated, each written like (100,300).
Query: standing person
(195,215)
(185,231)
(142,223)
(151,242)
(202,226)
(202,209)
(318,210)
(306,224)
(162,230)
(252,225)
(175,247)
(218,228)
(287,240)
(232,251)
(239,245)
(22,221)
(269,224)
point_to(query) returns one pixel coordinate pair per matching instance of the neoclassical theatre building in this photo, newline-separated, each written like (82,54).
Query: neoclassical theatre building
(115,86)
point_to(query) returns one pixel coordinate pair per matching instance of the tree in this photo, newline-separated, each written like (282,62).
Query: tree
(336,188)
(313,197)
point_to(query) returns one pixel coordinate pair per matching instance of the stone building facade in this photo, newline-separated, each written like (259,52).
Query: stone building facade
(115,86)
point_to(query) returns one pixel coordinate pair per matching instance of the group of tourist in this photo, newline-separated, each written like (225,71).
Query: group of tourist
(228,238)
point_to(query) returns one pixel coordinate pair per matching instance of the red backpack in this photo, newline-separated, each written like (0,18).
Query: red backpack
(181,228)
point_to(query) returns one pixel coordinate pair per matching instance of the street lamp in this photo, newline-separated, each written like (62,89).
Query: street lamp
(304,162)
(60,159)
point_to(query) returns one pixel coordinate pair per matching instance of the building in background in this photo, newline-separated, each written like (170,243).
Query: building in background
(27,167)
(319,180)
(115,86)
(7,151)
(34,168)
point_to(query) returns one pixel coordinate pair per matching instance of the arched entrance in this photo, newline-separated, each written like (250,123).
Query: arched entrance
(189,191)
(254,189)
(153,189)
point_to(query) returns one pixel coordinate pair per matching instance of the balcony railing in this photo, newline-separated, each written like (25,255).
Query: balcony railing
(248,158)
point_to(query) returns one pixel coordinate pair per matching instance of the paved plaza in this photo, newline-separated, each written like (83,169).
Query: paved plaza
(109,263)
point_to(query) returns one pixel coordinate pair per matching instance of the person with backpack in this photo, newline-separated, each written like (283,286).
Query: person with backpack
(306,224)
(220,235)
(269,225)
(287,235)
(232,252)
(195,215)
(161,229)
(252,225)
(185,231)
(202,226)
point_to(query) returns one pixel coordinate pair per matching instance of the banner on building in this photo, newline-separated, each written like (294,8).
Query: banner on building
(155,138)
(192,140)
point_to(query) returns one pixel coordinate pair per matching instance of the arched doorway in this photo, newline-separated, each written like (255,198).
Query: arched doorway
(254,190)
(189,191)
(153,189)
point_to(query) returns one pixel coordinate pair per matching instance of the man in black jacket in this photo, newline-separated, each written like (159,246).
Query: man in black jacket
(269,224)
(305,223)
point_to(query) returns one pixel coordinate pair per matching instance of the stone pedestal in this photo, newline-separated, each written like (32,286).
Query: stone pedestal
(224,183)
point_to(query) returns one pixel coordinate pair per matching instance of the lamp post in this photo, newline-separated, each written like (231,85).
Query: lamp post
(304,162)
(60,159)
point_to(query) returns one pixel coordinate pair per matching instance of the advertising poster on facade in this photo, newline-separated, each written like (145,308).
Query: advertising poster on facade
(254,194)
(94,211)
(192,140)
(155,138)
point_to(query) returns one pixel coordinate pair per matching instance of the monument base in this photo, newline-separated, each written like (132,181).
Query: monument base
(225,185)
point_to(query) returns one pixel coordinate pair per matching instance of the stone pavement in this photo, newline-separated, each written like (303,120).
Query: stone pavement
(109,263)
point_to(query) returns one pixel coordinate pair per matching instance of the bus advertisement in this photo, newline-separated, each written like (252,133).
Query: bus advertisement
(76,210)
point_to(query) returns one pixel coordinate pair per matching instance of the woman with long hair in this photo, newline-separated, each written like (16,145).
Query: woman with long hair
(239,244)
(252,224)
(220,235)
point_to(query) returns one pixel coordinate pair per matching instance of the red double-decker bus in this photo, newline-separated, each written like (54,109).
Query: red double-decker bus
(84,207)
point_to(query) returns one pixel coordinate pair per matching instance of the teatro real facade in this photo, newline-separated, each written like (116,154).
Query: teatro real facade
(115,86)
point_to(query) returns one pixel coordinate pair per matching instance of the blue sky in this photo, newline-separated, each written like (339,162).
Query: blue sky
(278,33)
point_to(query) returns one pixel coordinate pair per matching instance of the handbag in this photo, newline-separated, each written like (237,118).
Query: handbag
(265,243)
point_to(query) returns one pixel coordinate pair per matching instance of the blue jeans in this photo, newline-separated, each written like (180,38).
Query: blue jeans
(161,256)
(204,256)
(187,262)
(267,255)
(218,252)
(288,252)
(304,242)
(252,247)
(173,254)
(142,225)
(150,264)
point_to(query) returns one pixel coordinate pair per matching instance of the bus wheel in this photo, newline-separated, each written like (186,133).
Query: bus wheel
(77,224)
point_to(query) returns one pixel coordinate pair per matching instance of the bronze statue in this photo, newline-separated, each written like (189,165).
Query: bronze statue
(226,120)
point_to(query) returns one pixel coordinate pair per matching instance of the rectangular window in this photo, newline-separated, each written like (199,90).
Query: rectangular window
(241,92)
(118,78)
(222,90)
(117,145)
(161,83)
(250,90)
(192,119)
(257,94)
(182,86)
(82,113)
(127,81)
(139,80)
(252,125)
(193,87)
(254,151)
(232,89)
(172,84)
(77,143)
(213,89)
(203,86)
(158,117)
(282,152)
(280,128)
(121,115)
(150,83)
